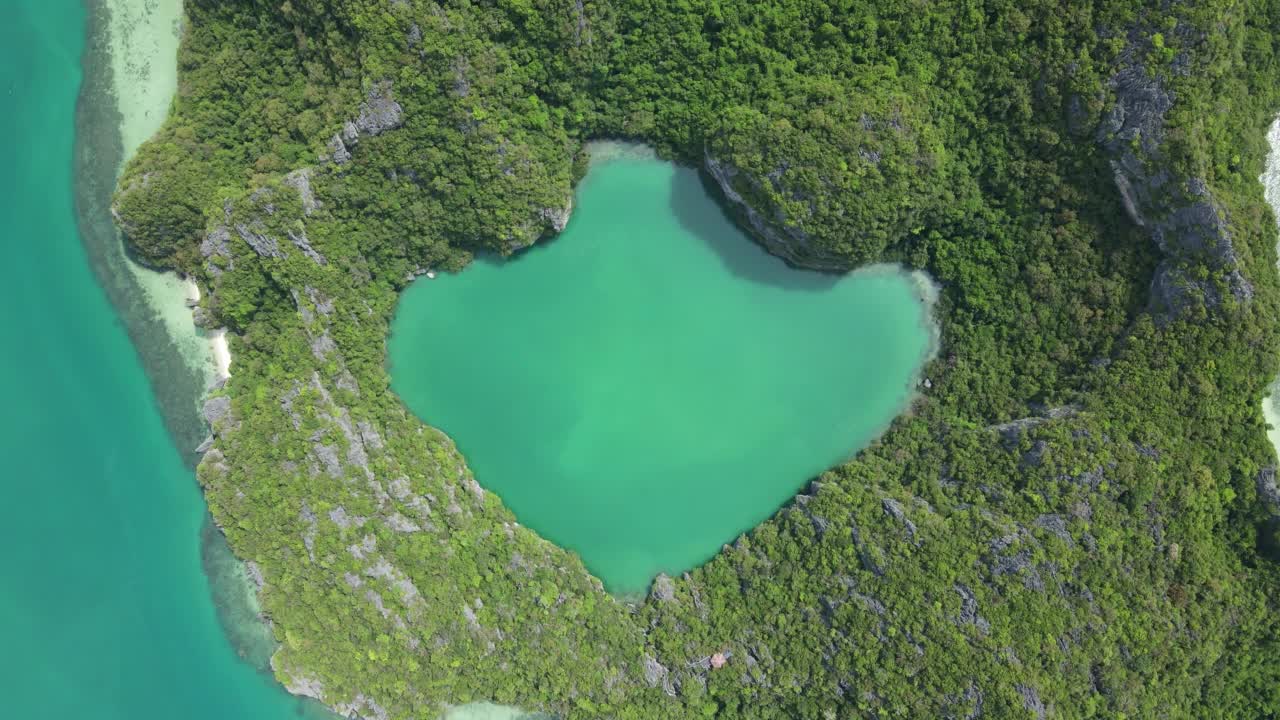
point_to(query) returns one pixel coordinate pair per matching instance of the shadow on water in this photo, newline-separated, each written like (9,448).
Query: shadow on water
(698,204)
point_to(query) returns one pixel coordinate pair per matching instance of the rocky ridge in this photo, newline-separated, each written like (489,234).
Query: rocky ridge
(1178,211)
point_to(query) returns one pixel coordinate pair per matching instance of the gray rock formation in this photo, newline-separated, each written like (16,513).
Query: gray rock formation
(581,28)
(338,151)
(296,683)
(344,520)
(1179,213)
(328,457)
(1031,701)
(558,218)
(379,112)
(215,409)
(1267,489)
(402,524)
(322,345)
(663,589)
(777,235)
(300,241)
(263,244)
(216,242)
(969,609)
(361,706)
(893,508)
(201,318)
(655,674)
(1055,525)
(300,180)
(1011,432)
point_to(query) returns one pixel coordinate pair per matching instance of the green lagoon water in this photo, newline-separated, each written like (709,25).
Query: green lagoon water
(105,608)
(651,383)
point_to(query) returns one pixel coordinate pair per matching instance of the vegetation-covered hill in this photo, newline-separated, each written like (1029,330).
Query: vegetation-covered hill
(1071,522)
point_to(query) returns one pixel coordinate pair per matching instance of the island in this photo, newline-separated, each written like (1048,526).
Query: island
(1076,515)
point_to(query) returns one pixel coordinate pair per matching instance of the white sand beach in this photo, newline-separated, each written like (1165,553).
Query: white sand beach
(221,354)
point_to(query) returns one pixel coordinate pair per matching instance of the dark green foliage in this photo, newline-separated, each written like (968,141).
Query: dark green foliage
(162,209)
(1269,540)
(1107,556)
(854,167)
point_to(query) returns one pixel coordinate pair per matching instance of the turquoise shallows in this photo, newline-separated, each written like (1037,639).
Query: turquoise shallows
(105,613)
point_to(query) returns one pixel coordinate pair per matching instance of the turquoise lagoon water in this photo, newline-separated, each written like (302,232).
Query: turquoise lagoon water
(651,383)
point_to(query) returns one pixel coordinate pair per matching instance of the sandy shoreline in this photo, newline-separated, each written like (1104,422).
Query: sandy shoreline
(144,37)
(221,354)
(144,45)
(144,49)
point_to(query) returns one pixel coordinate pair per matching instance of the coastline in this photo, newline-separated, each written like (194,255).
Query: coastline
(143,46)
(181,361)
(221,354)
(124,101)
(177,385)
(924,287)
(144,37)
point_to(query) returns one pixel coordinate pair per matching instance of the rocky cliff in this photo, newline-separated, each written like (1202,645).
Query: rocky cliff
(1175,208)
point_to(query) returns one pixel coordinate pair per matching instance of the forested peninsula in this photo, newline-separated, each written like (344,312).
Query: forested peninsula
(1076,518)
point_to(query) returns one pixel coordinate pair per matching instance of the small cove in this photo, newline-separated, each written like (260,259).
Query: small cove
(651,383)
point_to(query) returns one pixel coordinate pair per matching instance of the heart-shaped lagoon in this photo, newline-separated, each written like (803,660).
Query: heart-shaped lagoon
(651,383)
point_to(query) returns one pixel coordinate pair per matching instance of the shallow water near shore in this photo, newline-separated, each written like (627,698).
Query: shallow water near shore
(651,383)
(104,607)
(118,599)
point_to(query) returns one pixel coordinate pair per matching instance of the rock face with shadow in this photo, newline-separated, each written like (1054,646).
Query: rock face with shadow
(778,236)
(1178,210)
(836,184)
(721,233)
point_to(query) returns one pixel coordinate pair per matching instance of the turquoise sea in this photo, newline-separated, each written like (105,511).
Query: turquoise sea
(105,608)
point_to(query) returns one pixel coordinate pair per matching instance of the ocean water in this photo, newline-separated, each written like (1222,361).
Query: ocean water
(118,598)
(105,609)
(651,383)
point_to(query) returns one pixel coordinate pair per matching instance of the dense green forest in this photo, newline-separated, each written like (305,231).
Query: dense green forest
(1070,521)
